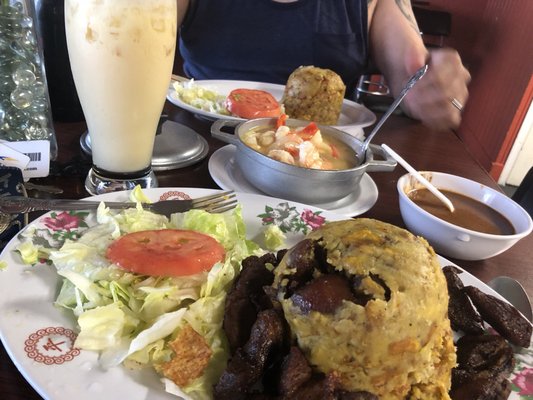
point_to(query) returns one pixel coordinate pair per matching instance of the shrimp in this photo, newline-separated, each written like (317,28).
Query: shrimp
(289,143)
(250,139)
(266,138)
(281,155)
(282,131)
(309,156)
(319,143)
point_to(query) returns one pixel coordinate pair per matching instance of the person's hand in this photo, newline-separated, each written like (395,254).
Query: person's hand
(438,98)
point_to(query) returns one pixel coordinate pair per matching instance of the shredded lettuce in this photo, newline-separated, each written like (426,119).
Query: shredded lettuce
(275,238)
(199,97)
(104,327)
(28,252)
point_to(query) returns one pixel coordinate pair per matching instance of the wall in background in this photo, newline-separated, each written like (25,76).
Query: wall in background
(520,158)
(495,40)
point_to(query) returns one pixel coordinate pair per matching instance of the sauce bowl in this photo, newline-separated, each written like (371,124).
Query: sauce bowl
(452,240)
(290,182)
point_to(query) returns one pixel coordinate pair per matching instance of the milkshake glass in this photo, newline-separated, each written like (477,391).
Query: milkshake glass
(121,54)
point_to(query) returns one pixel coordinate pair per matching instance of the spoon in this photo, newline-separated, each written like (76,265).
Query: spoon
(410,83)
(420,178)
(514,293)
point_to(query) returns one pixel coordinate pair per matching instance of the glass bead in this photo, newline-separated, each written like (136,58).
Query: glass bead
(23,65)
(21,98)
(28,41)
(38,89)
(19,7)
(17,119)
(26,22)
(33,131)
(38,106)
(40,119)
(23,76)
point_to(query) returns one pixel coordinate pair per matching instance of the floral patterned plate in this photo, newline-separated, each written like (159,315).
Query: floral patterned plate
(39,337)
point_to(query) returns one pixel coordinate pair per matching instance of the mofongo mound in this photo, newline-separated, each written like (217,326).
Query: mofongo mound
(368,302)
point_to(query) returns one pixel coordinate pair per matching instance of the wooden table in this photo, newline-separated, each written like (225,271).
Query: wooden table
(425,150)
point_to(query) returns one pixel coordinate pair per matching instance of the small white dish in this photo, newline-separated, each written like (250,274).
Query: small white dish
(227,174)
(452,240)
(354,116)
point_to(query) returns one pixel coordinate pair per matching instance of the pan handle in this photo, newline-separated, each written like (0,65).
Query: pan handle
(216,131)
(388,164)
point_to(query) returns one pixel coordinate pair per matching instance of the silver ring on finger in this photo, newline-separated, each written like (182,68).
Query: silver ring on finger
(457,104)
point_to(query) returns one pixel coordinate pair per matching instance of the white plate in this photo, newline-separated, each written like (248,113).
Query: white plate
(38,336)
(227,174)
(353,118)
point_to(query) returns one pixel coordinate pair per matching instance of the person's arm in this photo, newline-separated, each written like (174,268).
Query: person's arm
(182,10)
(395,43)
(398,51)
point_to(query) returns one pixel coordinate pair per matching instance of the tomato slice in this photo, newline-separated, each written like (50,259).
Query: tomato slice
(252,103)
(165,252)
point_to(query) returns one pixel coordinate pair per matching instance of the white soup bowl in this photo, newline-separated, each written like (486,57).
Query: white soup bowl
(454,241)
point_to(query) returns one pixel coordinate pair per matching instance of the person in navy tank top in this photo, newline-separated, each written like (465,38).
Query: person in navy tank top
(265,40)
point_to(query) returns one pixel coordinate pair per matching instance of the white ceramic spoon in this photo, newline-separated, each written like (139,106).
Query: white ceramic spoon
(419,177)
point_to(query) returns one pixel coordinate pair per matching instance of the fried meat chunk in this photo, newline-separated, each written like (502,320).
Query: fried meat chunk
(246,298)
(463,316)
(295,371)
(247,365)
(502,316)
(484,364)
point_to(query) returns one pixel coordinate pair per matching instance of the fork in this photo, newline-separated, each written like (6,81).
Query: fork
(215,203)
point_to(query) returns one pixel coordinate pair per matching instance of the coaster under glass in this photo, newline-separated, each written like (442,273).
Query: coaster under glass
(176,146)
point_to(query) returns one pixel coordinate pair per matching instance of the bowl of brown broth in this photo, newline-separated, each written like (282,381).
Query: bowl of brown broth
(485,222)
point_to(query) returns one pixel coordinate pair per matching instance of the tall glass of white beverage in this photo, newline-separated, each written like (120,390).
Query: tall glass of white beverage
(121,54)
